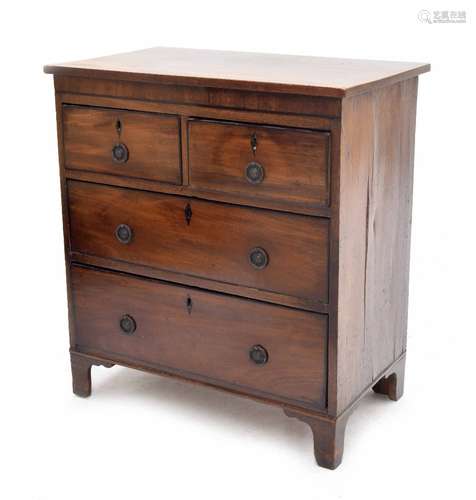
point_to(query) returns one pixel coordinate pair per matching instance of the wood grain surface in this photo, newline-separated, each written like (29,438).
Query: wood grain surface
(152,140)
(376,179)
(203,333)
(215,244)
(295,162)
(244,70)
(212,97)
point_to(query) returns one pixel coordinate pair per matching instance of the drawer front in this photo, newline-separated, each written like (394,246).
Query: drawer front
(285,165)
(126,143)
(277,252)
(202,333)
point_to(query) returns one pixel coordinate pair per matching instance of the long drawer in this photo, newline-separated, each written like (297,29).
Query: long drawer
(261,347)
(259,249)
(120,142)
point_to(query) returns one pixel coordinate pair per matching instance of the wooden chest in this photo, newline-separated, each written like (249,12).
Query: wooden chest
(241,221)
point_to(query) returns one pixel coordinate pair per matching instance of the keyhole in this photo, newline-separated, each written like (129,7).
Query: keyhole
(189,304)
(118,126)
(254,142)
(188,214)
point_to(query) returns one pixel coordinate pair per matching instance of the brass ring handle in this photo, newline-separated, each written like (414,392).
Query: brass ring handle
(127,324)
(258,258)
(258,354)
(120,153)
(123,233)
(254,173)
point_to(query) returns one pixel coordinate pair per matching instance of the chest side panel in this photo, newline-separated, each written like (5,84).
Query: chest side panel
(376,179)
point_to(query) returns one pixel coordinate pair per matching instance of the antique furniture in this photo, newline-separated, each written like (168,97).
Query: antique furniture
(242,221)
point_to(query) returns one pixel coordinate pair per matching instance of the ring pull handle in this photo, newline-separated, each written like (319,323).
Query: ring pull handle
(124,233)
(254,173)
(258,258)
(258,354)
(127,324)
(120,153)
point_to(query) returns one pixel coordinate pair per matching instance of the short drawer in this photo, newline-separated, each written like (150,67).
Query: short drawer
(240,342)
(261,249)
(125,143)
(280,165)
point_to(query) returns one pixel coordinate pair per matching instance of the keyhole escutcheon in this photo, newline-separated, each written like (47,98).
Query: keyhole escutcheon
(254,142)
(188,214)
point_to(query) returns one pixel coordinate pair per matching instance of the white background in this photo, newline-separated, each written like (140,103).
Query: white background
(142,436)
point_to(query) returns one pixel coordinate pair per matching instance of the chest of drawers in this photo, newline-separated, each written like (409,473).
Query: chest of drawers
(241,221)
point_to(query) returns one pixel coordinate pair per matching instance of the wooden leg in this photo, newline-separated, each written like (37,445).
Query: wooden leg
(328,436)
(81,371)
(392,384)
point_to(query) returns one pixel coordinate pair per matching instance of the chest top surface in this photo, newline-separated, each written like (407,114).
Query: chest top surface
(305,75)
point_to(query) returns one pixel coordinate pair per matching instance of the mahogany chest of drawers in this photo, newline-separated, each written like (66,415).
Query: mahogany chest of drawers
(242,221)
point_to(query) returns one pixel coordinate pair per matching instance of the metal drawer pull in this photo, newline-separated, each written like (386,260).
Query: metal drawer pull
(258,258)
(120,153)
(127,324)
(124,233)
(254,173)
(258,354)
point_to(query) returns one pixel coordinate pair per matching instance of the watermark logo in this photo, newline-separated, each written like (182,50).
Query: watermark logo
(442,16)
